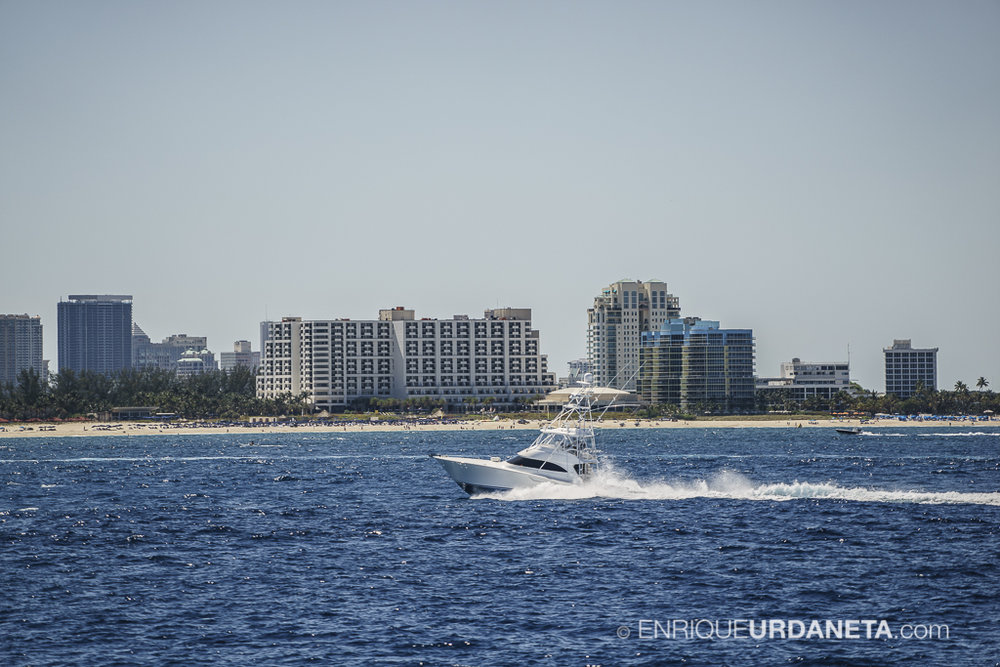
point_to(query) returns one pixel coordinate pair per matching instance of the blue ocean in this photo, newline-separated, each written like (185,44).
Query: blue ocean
(693,547)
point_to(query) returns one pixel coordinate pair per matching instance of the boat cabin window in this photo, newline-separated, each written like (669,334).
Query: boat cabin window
(535,463)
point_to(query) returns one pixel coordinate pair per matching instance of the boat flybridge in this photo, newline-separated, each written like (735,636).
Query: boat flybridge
(563,453)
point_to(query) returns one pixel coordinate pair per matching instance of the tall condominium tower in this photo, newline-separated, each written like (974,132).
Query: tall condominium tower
(906,365)
(494,360)
(95,333)
(20,346)
(622,312)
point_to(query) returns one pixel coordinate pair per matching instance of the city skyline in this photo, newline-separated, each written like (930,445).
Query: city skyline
(823,174)
(52,362)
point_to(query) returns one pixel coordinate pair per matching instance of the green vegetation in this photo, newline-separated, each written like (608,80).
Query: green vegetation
(232,395)
(220,394)
(779,404)
(961,401)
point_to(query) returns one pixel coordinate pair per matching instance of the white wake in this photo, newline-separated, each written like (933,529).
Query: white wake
(730,485)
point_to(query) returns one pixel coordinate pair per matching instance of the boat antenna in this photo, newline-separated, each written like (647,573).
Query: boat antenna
(636,373)
(613,383)
(612,402)
(633,376)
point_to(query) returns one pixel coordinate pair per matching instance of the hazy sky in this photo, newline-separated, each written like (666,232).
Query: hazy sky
(825,173)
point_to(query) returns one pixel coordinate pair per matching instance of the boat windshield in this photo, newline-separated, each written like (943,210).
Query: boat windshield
(535,463)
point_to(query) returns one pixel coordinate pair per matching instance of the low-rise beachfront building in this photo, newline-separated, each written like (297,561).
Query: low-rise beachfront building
(603,399)
(692,362)
(195,362)
(495,360)
(906,365)
(801,380)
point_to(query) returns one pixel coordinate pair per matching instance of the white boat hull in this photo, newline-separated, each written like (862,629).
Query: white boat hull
(485,476)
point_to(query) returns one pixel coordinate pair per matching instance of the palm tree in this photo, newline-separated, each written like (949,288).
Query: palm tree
(961,387)
(982,383)
(30,393)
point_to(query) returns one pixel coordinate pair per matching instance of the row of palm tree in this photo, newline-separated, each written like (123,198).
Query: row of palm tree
(981,384)
(923,401)
(233,395)
(225,394)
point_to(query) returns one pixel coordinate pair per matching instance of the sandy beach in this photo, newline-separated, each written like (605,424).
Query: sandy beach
(125,428)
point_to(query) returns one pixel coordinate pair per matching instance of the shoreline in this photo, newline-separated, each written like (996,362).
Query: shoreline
(126,428)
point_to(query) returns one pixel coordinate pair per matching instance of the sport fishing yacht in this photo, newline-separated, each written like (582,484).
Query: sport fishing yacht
(563,453)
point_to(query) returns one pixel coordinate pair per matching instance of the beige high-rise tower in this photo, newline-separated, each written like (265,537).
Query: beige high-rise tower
(621,313)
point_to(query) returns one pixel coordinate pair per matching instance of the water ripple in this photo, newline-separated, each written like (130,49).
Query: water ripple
(354,549)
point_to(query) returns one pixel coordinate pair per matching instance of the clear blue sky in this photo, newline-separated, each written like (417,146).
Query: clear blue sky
(826,173)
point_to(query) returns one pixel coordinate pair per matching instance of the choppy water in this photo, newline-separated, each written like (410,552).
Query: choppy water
(357,549)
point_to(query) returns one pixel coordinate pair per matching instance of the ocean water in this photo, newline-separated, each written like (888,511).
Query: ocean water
(714,547)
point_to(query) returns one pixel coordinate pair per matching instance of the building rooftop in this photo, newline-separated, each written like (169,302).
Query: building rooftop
(95,298)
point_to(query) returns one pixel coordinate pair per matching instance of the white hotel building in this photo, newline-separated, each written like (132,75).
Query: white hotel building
(335,362)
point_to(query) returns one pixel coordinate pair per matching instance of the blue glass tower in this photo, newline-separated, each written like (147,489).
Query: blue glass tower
(691,362)
(95,333)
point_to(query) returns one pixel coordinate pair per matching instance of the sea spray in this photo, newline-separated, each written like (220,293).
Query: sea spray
(727,484)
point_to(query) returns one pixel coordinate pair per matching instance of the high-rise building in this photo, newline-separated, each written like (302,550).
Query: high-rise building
(906,365)
(622,312)
(20,347)
(496,359)
(241,355)
(802,380)
(168,353)
(692,361)
(146,353)
(95,333)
